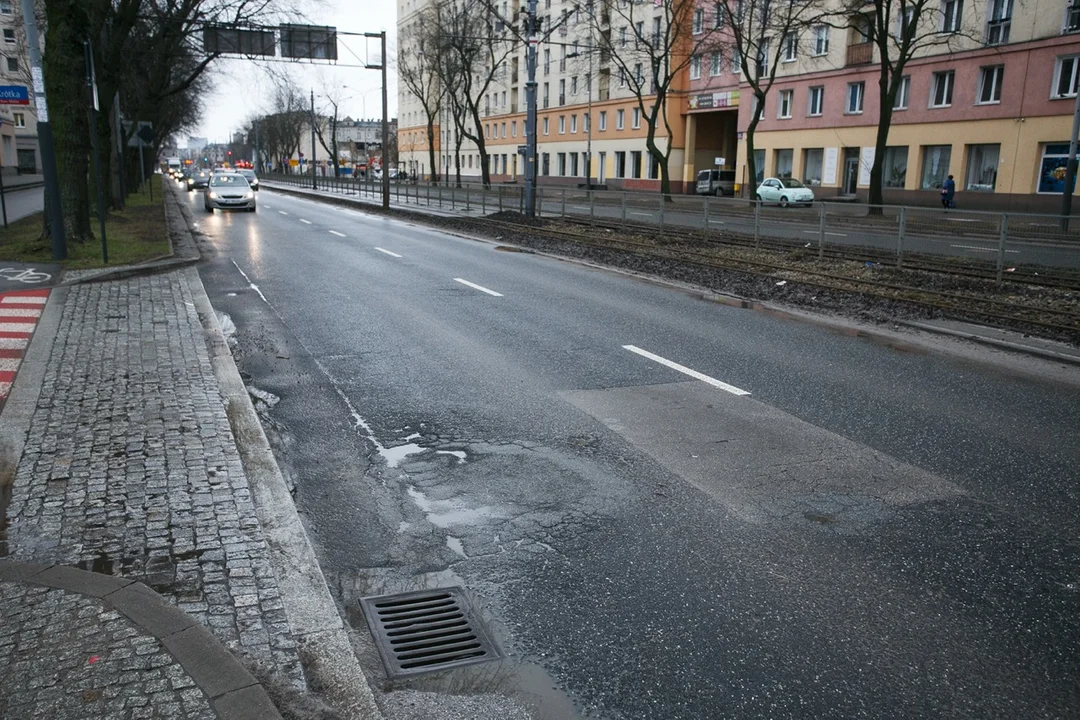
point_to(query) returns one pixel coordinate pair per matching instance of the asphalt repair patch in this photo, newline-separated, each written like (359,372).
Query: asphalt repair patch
(21,276)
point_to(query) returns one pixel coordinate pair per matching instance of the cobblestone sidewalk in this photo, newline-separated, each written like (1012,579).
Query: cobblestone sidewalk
(130,469)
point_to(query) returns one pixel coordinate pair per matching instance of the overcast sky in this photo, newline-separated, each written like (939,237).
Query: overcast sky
(242,90)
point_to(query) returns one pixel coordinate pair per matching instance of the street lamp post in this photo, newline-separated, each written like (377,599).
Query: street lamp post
(588,115)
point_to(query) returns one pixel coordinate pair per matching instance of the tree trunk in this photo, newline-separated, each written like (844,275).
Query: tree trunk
(431,149)
(481,146)
(886,98)
(65,83)
(751,163)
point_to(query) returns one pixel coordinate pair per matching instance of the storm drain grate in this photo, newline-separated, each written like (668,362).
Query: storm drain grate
(425,631)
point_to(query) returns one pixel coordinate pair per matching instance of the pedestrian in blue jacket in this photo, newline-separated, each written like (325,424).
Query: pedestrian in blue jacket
(948,190)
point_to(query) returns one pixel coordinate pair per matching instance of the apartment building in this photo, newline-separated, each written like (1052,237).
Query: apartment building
(992,105)
(18,123)
(590,127)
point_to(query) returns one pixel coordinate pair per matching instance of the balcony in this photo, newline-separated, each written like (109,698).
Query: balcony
(604,94)
(860,54)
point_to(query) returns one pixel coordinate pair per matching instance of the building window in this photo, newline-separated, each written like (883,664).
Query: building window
(547,62)
(699,21)
(586,122)
(821,40)
(13,64)
(990,79)
(9,36)
(783,107)
(622,36)
(561,161)
(941,95)
(903,23)
(813,160)
(816,101)
(573,85)
(504,130)
(620,117)
(935,166)
(997,27)
(695,67)
(635,164)
(1072,17)
(573,125)
(783,160)
(19,119)
(562,91)
(951,11)
(620,164)
(639,74)
(1065,77)
(894,172)
(736,61)
(657,32)
(715,64)
(759,165)
(791,47)
(900,102)
(546,125)
(603,120)
(545,164)
(573,164)
(513,129)
(718,17)
(763,58)
(982,167)
(5,7)
(562,124)
(855,97)
(547,94)
(504,98)
(635,118)
(1055,159)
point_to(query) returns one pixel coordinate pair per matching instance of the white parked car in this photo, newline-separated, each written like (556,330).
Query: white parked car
(786,191)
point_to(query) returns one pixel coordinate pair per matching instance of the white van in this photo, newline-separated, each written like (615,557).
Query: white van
(715,182)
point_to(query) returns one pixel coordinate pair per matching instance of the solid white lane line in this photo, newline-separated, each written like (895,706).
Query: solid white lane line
(306,222)
(815,232)
(641,213)
(481,288)
(391,254)
(687,371)
(252,285)
(283,212)
(335,232)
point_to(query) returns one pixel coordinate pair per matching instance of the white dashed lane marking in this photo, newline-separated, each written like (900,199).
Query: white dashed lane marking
(391,254)
(687,371)
(283,212)
(481,288)
(335,232)
(306,222)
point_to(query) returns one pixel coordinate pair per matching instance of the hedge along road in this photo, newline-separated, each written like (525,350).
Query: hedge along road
(870,531)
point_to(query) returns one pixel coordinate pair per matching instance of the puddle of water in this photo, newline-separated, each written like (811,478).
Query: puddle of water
(394,455)
(456,545)
(444,513)
(459,454)
(228,328)
(231,294)
(414,436)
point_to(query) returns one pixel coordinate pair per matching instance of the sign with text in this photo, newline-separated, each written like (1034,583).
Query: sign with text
(828,175)
(14,95)
(712,101)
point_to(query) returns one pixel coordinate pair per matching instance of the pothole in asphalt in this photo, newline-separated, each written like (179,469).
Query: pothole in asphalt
(445,513)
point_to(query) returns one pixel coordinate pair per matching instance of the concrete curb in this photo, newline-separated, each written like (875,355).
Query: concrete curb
(234,692)
(993,342)
(8,189)
(329,661)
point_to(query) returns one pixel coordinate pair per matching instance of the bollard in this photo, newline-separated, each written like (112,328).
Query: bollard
(821,231)
(1002,237)
(705,204)
(900,237)
(624,208)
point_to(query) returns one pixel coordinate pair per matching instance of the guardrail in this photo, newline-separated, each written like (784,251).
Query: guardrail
(998,241)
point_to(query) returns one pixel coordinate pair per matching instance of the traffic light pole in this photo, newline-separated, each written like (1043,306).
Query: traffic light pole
(45,138)
(385,121)
(530,113)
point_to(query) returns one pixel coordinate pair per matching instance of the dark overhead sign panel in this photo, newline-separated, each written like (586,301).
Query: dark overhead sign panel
(308,42)
(226,40)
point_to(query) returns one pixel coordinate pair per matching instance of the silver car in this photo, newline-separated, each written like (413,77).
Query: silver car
(229,190)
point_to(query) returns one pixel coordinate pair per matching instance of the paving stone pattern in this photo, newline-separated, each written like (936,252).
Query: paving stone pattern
(130,469)
(65,655)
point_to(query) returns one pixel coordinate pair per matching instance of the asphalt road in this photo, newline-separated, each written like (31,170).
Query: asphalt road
(874,531)
(21,203)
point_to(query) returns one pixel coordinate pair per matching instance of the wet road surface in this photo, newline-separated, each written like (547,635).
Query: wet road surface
(870,532)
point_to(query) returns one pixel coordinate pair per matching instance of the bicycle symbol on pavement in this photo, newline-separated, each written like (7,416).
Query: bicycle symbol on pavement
(25,275)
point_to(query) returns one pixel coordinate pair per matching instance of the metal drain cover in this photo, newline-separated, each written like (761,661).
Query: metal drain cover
(426,631)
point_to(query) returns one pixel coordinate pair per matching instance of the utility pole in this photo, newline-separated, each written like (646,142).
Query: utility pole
(530,111)
(314,182)
(589,119)
(91,86)
(45,138)
(1070,168)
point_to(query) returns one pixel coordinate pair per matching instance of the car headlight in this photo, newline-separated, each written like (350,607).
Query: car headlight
(213,196)
(249,195)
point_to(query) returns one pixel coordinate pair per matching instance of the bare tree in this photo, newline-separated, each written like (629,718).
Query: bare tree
(474,48)
(899,30)
(418,69)
(654,43)
(760,32)
(326,127)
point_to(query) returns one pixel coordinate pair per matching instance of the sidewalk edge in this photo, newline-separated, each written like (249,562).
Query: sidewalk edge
(317,626)
(23,398)
(215,670)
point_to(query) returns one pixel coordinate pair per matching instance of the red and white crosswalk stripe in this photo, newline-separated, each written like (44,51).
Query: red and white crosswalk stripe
(19,314)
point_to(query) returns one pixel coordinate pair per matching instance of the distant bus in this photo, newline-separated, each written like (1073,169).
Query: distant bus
(173,163)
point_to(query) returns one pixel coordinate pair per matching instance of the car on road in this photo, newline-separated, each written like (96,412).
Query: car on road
(785,191)
(252,179)
(198,180)
(229,191)
(715,182)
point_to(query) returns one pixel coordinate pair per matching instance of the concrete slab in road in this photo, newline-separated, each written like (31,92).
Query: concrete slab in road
(26,276)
